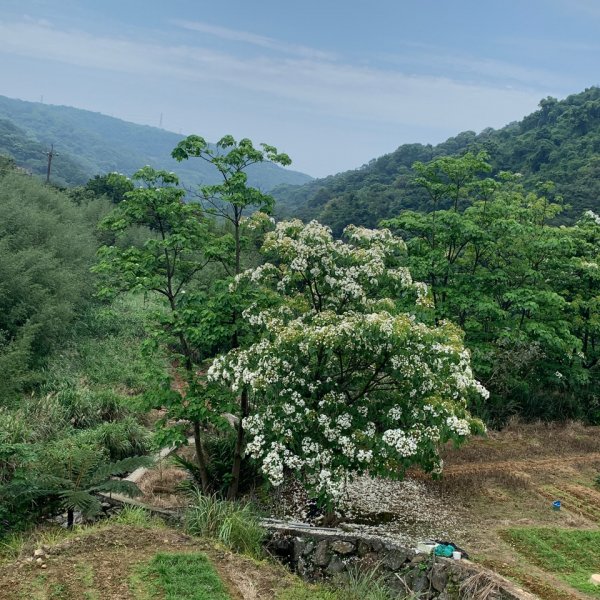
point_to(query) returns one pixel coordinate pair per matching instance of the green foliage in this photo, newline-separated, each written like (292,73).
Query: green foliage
(112,185)
(219,446)
(355,584)
(46,248)
(188,576)
(30,155)
(67,473)
(558,142)
(87,397)
(234,524)
(525,293)
(570,555)
(120,439)
(136,516)
(90,143)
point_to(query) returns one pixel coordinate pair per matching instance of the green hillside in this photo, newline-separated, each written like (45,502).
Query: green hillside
(91,143)
(559,142)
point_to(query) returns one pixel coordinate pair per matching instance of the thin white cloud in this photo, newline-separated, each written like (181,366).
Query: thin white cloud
(314,85)
(469,67)
(253,39)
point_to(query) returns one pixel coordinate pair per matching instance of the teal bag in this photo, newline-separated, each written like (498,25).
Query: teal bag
(443,550)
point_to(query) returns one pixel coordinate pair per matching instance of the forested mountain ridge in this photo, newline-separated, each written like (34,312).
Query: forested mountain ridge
(89,143)
(560,142)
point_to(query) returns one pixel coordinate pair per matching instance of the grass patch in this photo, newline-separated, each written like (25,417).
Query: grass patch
(234,524)
(179,577)
(572,555)
(136,516)
(11,546)
(353,585)
(303,591)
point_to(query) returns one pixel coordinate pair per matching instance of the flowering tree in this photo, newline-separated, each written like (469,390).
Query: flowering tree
(342,381)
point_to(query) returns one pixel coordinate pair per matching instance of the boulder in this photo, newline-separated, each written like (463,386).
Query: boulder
(322,555)
(342,547)
(336,565)
(439,577)
(394,560)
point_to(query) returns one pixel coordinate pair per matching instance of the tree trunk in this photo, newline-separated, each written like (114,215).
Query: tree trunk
(234,486)
(70,518)
(200,456)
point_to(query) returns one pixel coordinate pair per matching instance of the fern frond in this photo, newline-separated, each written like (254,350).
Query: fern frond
(122,466)
(118,486)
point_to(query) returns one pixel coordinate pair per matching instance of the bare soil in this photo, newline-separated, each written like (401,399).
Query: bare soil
(100,565)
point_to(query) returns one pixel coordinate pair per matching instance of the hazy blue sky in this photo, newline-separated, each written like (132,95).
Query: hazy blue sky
(333,83)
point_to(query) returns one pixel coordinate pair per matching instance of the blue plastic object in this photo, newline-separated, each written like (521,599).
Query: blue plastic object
(556,505)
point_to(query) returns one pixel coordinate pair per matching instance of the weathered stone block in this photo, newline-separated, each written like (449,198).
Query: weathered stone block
(394,560)
(336,565)
(439,577)
(309,548)
(298,549)
(322,554)
(421,583)
(342,547)
(363,548)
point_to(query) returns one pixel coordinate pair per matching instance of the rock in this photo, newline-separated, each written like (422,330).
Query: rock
(308,549)
(298,549)
(595,579)
(38,553)
(342,547)
(39,561)
(44,566)
(336,565)
(394,560)
(363,548)
(377,545)
(419,558)
(439,577)
(321,557)
(302,567)
(420,584)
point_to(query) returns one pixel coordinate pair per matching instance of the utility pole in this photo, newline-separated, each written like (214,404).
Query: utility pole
(50,156)
(160,121)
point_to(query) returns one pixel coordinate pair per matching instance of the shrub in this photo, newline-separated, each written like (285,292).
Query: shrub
(234,524)
(121,439)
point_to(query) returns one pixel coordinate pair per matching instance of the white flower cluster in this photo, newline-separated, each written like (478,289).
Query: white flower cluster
(404,443)
(590,214)
(458,426)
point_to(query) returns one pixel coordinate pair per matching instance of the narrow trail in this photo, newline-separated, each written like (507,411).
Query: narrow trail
(522,465)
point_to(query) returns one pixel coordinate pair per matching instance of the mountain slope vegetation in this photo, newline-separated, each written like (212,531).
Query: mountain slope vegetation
(560,142)
(91,143)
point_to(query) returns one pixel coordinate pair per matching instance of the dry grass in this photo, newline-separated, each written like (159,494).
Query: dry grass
(479,587)
(160,486)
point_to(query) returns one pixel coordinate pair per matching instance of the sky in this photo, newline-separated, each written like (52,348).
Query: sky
(334,83)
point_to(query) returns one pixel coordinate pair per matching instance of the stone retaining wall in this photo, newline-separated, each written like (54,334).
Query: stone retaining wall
(316,554)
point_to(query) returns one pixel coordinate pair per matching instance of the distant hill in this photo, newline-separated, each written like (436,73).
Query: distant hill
(559,142)
(90,143)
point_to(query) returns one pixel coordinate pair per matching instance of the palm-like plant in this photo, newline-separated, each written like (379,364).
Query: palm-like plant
(70,473)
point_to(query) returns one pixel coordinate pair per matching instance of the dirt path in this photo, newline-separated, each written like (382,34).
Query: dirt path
(522,465)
